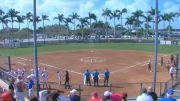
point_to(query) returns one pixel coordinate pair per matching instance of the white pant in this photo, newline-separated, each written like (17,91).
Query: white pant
(31,92)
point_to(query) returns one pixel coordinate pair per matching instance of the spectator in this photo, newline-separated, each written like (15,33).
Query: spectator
(55,96)
(20,87)
(7,96)
(34,99)
(152,94)
(106,96)
(43,95)
(169,97)
(30,87)
(106,77)
(94,97)
(144,96)
(74,96)
(11,84)
(124,96)
(96,77)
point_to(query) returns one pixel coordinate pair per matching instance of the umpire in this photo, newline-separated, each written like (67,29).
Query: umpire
(106,77)
(96,77)
(87,75)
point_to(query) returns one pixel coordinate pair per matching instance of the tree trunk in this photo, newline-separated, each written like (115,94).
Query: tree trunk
(43,32)
(59,31)
(114,28)
(19,26)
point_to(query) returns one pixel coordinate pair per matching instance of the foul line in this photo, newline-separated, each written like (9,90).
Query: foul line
(52,66)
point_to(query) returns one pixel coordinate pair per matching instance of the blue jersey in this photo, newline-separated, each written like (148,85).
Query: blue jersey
(106,73)
(95,73)
(30,84)
(87,74)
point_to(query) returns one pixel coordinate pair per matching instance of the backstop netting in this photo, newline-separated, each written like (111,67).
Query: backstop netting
(4,62)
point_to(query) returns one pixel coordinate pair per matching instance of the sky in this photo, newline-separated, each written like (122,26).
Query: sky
(83,7)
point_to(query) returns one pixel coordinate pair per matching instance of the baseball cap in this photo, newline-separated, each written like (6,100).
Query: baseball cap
(107,93)
(73,91)
(170,91)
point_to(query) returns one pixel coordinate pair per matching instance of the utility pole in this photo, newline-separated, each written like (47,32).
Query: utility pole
(35,49)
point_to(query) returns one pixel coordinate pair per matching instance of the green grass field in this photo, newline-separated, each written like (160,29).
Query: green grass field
(165,49)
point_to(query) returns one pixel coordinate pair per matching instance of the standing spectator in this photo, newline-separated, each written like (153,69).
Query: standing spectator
(11,88)
(20,87)
(74,96)
(66,80)
(152,94)
(96,77)
(11,84)
(59,77)
(169,96)
(172,71)
(94,97)
(144,96)
(30,87)
(106,77)
(87,77)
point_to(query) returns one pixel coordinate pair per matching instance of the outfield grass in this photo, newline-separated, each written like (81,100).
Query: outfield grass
(165,49)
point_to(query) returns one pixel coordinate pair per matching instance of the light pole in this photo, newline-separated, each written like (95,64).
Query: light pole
(156,45)
(35,49)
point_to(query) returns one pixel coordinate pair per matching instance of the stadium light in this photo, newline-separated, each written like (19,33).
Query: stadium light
(35,48)
(155,46)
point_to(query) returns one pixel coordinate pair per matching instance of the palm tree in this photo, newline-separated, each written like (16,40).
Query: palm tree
(170,17)
(106,13)
(114,15)
(130,21)
(37,19)
(83,23)
(60,19)
(137,14)
(74,17)
(12,13)
(44,18)
(20,19)
(120,14)
(4,20)
(28,17)
(148,19)
(1,12)
(91,16)
(67,21)
(152,13)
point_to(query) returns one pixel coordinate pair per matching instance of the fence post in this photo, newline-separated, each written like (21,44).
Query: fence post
(110,87)
(177,65)
(79,90)
(160,88)
(9,63)
(141,86)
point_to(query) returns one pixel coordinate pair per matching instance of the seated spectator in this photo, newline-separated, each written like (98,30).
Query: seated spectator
(55,96)
(124,96)
(34,99)
(169,96)
(106,96)
(7,96)
(74,96)
(43,95)
(152,94)
(94,97)
(144,96)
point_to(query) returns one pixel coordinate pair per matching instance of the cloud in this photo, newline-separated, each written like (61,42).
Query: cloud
(171,7)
